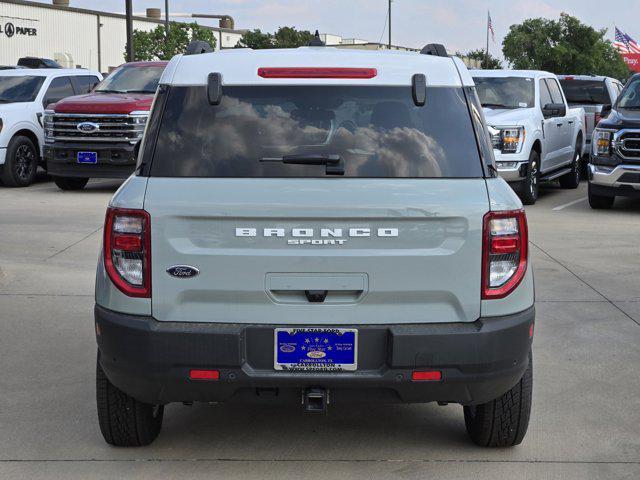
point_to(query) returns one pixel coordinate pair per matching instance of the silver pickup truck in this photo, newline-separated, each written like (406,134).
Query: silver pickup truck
(315,226)
(592,93)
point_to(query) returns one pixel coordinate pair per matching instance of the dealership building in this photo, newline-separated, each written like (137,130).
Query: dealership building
(77,37)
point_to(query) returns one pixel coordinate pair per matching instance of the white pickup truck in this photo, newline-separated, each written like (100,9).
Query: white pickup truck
(536,137)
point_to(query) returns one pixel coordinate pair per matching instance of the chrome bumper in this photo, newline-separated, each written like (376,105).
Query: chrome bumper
(512,171)
(611,176)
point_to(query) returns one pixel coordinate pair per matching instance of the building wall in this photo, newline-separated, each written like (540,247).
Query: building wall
(113,34)
(56,31)
(72,34)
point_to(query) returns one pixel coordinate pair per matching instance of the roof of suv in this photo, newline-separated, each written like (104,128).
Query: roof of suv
(240,67)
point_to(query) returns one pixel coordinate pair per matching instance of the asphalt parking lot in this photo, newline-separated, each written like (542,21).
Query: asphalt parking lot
(586,412)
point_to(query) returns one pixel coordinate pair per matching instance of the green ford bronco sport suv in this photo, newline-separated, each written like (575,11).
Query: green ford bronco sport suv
(315,226)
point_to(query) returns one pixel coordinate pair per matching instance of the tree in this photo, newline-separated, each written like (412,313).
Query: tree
(479,54)
(154,45)
(284,37)
(563,46)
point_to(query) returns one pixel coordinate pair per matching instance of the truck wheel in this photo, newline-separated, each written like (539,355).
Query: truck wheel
(70,183)
(502,422)
(599,202)
(572,179)
(124,421)
(21,162)
(529,187)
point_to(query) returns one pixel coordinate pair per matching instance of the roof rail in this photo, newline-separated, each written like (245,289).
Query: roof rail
(197,47)
(436,49)
(316,41)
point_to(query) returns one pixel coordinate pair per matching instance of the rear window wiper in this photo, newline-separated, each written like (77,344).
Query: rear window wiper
(334,163)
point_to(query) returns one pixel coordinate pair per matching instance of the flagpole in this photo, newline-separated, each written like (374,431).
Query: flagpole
(486,52)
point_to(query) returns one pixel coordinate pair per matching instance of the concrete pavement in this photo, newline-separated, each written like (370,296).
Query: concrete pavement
(586,411)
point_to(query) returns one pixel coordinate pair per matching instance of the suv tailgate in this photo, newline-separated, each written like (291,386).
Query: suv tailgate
(420,263)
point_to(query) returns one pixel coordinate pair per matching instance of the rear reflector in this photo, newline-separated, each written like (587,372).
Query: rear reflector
(315,72)
(130,243)
(204,374)
(426,376)
(531,329)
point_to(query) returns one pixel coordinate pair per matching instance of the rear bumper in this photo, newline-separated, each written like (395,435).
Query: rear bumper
(150,361)
(115,160)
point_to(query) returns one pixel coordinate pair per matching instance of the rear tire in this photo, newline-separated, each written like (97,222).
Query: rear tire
(599,202)
(502,422)
(529,187)
(21,163)
(125,421)
(572,179)
(70,183)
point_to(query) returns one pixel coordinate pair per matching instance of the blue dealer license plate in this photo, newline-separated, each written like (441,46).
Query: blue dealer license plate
(316,349)
(87,157)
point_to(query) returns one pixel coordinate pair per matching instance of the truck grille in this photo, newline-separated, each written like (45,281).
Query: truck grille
(63,127)
(629,144)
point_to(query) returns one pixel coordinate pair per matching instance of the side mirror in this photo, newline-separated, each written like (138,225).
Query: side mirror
(554,110)
(606,110)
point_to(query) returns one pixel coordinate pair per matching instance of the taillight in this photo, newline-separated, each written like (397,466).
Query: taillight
(504,252)
(127,250)
(316,72)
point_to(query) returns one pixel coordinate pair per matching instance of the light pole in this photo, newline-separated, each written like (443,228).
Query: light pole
(129,14)
(166,18)
(390,24)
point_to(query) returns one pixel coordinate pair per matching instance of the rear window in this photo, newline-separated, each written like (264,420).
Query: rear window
(585,91)
(376,131)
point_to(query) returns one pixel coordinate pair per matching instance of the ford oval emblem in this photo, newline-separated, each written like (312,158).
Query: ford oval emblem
(183,271)
(88,127)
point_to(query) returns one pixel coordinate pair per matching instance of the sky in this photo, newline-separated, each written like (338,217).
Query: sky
(459,24)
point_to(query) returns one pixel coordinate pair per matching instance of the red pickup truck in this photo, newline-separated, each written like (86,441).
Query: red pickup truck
(95,135)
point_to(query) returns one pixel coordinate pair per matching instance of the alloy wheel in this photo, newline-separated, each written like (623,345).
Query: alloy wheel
(25,162)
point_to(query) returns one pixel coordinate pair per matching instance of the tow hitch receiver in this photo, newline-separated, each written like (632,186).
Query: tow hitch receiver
(315,400)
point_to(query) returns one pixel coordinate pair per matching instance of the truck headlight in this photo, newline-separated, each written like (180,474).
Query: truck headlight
(507,139)
(47,123)
(602,142)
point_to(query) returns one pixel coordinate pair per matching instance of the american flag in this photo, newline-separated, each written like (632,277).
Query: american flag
(624,43)
(490,27)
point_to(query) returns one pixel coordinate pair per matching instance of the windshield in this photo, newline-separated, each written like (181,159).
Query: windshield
(374,131)
(132,79)
(505,92)
(585,91)
(630,96)
(19,89)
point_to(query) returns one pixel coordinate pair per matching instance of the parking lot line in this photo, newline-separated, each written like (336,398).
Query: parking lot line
(565,205)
